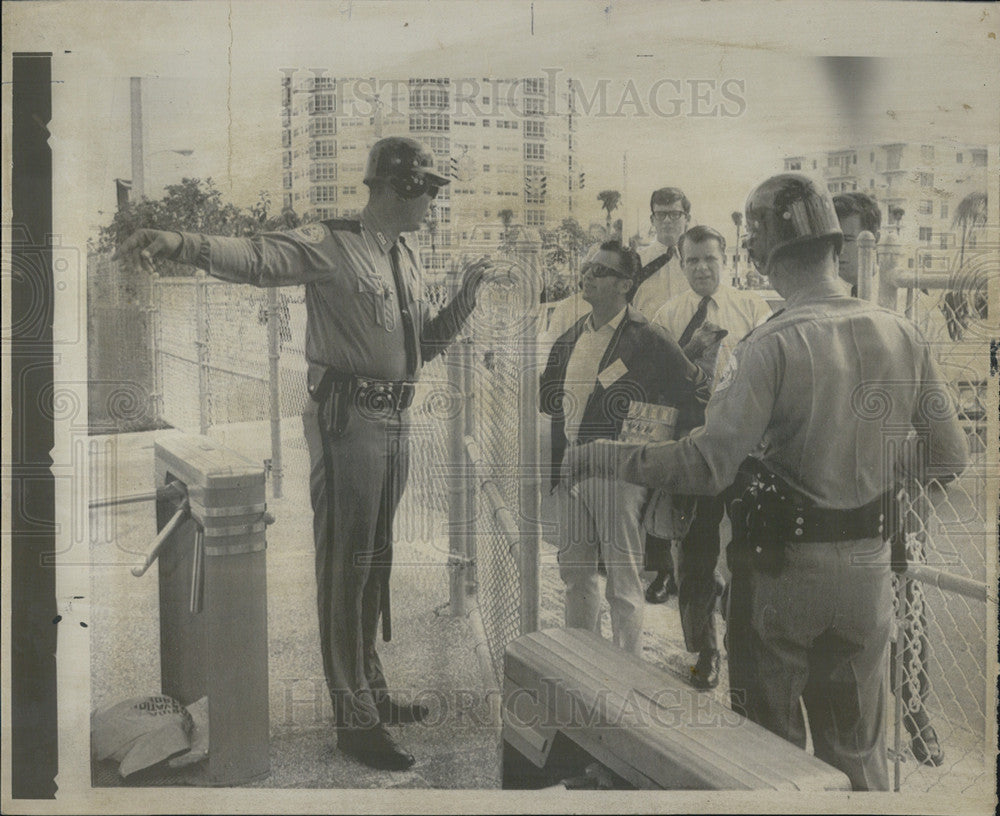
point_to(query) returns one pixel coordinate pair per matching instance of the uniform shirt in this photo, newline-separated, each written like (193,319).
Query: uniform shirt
(581,370)
(353,321)
(737,311)
(825,392)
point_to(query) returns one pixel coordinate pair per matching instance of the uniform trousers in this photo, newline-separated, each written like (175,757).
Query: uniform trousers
(696,588)
(601,515)
(816,631)
(356,480)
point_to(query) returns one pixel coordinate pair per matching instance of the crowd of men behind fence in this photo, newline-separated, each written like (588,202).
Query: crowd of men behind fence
(675,399)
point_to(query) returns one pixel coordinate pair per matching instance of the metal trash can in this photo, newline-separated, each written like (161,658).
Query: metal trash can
(213,597)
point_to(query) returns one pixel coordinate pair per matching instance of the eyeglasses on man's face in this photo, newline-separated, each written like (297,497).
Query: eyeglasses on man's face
(668,215)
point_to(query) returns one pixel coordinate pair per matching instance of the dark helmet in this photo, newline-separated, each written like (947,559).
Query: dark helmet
(785,211)
(402,159)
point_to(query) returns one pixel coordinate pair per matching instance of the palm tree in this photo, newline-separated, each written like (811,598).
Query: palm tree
(609,201)
(969,214)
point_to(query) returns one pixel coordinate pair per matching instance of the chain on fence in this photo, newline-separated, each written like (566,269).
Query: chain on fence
(942,685)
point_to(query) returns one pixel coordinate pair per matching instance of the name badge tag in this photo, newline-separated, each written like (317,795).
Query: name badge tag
(612,373)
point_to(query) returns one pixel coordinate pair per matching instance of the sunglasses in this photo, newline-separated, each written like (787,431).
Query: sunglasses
(597,270)
(673,215)
(413,186)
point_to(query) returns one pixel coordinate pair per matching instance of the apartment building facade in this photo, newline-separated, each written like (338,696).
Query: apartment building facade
(509,146)
(919,188)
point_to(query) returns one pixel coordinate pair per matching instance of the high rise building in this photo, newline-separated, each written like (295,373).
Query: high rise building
(919,188)
(507,144)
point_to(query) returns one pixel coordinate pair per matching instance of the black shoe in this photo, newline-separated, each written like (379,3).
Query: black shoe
(705,673)
(926,748)
(392,713)
(661,589)
(374,748)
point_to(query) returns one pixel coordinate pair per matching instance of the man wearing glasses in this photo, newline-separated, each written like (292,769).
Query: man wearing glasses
(661,277)
(609,362)
(368,332)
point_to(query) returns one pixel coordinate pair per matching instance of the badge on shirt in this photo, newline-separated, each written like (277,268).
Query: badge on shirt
(311,233)
(726,377)
(612,373)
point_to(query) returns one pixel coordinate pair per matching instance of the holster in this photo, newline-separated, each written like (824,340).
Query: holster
(754,500)
(333,396)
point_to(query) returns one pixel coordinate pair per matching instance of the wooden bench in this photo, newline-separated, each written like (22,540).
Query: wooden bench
(569,695)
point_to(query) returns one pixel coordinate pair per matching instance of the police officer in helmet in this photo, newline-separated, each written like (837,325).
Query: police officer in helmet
(368,333)
(819,412)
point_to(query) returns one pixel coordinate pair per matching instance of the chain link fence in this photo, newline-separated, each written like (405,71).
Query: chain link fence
(210,356)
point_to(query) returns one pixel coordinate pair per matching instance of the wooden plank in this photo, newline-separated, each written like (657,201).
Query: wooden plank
(614,704)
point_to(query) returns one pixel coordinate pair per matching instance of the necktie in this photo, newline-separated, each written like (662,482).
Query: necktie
(696,320)
(409,329)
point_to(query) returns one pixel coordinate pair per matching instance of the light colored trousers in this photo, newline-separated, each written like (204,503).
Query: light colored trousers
(603,517)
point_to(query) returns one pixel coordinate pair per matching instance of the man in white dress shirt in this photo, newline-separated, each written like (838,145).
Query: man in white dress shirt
(661,276)
(707,301)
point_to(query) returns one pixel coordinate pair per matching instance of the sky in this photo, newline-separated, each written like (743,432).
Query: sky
(212,69)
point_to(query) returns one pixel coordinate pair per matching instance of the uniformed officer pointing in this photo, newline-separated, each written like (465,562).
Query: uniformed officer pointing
(368,332)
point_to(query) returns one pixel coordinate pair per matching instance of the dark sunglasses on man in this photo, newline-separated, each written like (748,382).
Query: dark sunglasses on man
(673,215)
(598,270)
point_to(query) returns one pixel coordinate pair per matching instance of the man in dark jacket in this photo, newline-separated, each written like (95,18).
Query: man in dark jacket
(610,364)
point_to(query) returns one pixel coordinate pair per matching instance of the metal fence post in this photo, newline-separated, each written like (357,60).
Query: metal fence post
(529,498)
(201,341)
(457,512)
(274,377)
(468,423)
(153,311)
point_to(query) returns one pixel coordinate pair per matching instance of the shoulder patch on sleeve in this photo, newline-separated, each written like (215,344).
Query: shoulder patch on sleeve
(726,377)
(311,233)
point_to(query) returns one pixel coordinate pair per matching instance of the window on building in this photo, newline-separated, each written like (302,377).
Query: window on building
(487,235)
(324,149)
(322,103)
(323,172)
(959,158)
(438,144)
(926,179)
(486,213)
(814,164)
(871,184)
(925,234)
(534,218)
(927,152)
(486,122)
(925,207)
(422,122)
(534,107)
(854,158)
(534,152)
(871,158)
(443,214)
(323,83)
(534,130)
(944,210)
(323,126)
(833,161)
(323,193)
(943,243)
(486,168)
(287,181)
(286,159)
(486,100)
(428,99)
(286,138)
(978,158)
(350,189)
(287,201)
(793,165)
(534,86)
